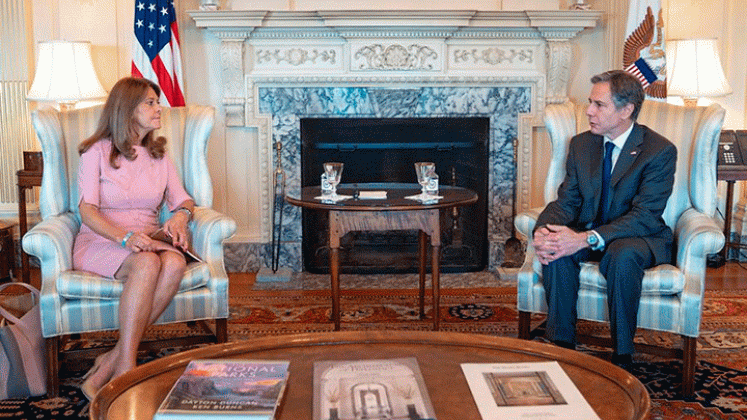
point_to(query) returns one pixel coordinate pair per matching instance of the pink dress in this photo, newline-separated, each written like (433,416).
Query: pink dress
(129,197)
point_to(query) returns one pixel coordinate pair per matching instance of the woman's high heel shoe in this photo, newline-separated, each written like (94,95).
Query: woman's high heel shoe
(87,386)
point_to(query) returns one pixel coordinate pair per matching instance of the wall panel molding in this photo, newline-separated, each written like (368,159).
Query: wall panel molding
(16,134)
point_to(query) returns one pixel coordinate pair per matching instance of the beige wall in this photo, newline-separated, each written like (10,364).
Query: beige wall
(107,24)
(725,20)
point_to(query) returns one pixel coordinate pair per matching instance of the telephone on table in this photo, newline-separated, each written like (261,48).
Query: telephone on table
(732,167)
(732,148)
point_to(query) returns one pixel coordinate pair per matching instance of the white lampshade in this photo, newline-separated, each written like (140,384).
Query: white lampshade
(694,69)
(65,73)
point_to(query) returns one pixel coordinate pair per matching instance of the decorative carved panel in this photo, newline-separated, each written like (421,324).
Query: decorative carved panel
(232,66)
(558,71)
(396,57)
(296,57)
(493,56)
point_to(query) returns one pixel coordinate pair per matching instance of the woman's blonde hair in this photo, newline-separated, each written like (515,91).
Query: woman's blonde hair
(117,122)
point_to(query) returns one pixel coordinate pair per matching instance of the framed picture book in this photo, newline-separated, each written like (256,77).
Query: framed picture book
(370,389)
(525,390)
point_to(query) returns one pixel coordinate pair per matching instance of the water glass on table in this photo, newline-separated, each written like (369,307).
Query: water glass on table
(330,178)
(427,178)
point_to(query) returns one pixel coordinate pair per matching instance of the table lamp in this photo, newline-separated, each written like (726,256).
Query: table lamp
(65,74)
(694,70)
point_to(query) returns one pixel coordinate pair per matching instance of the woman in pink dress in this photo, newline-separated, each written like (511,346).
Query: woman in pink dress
(123,177)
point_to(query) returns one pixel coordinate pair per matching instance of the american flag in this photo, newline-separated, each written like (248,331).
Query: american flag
(155,49)
(642,71)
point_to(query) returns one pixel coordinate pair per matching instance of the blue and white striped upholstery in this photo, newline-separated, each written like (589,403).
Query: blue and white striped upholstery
(84,285)
(672,297)
(77,302)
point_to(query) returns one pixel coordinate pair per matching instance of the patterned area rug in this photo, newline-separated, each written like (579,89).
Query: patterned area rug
(721,371)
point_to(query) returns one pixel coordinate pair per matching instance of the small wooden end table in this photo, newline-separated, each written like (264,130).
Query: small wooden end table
(730,174)
(29,177)
(7,251)
(395,212)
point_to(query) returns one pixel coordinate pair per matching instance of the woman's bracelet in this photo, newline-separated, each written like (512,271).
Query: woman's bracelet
(127,236)
(185,210)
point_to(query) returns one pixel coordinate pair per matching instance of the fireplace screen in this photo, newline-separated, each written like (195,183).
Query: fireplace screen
(385,150)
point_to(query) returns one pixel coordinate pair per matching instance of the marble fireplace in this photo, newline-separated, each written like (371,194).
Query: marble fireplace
(280,67)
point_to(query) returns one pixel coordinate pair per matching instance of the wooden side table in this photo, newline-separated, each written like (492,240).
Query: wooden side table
(7,251)
(395,212)
(730,174)
(29,177)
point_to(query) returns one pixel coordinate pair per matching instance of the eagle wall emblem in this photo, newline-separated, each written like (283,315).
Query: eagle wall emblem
(645,58)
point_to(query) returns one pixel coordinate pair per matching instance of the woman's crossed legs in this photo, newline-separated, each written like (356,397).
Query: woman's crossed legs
(151,279)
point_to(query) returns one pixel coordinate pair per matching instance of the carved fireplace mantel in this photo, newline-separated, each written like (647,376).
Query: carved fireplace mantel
(457,43)
(526,52)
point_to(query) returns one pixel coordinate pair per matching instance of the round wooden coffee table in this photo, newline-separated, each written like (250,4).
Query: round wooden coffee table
(612,392)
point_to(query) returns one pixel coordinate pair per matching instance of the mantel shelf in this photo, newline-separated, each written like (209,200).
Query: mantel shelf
(571,21)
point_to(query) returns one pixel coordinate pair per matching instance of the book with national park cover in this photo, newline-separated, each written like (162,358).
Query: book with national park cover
(370,389)
(226,389)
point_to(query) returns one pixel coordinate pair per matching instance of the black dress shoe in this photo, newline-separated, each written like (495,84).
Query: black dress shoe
(624,361)
(564,344)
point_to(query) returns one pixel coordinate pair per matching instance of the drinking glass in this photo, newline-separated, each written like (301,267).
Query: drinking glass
(333,173)
(425,171)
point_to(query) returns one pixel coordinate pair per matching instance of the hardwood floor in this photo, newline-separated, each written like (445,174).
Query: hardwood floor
(731,276)
(240,283)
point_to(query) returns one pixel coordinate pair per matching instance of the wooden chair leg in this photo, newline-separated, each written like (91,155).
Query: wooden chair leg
(221,330)
(524,324)
(53,366)
(688,365)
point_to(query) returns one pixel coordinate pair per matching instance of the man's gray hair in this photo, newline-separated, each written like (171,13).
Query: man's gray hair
(625,89)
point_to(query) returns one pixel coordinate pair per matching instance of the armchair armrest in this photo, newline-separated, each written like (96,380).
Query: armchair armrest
(52,242)
(696,235)
(525,221)
(209,229)
(528,276)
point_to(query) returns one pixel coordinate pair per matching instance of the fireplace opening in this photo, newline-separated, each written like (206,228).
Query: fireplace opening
(385,150)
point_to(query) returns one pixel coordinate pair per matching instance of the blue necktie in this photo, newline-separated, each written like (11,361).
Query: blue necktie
(606,175)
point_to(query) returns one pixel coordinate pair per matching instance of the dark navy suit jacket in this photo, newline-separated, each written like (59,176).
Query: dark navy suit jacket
(640,186)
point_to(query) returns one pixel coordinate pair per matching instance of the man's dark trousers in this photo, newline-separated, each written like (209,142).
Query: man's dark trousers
(622,264)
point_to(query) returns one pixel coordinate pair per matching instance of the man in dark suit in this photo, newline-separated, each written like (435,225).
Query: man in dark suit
(614,218)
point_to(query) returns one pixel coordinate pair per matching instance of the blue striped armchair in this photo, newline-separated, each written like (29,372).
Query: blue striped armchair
(672,296)
(78,302)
